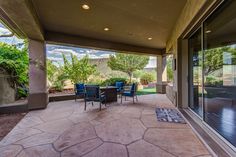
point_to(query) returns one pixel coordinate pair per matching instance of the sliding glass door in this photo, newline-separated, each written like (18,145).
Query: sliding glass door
(212,64)
(220,71)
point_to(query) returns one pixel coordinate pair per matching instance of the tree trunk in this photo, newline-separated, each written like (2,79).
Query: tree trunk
(130,76)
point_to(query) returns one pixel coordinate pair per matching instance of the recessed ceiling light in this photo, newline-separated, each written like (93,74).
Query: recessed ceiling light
(149,38)
(106,29)
(85,7)
(208,31)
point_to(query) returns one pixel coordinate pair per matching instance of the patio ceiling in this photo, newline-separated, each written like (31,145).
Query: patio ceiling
(130,23)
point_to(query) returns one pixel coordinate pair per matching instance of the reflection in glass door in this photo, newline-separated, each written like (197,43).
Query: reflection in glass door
(220,71)
(212,63)
(195,77)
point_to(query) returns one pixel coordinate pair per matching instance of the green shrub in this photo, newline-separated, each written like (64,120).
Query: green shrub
(213,81)
(56,76)
(15,62)
(112,81)
(116,74)
(78,70)
(52,72)
(21,92)
(95,79)
(59,85)
(146,78)
(138,73)
(170,72)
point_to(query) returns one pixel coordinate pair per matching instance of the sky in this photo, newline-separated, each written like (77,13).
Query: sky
(54,52)
(9,40)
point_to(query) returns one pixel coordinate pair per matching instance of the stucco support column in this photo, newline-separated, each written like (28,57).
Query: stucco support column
(161,74)
(38,95)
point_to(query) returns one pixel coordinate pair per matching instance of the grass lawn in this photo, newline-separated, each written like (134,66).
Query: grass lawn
(146,91)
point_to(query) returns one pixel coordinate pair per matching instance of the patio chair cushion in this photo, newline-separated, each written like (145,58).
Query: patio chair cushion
(79,88)
(119,86)
(92,93)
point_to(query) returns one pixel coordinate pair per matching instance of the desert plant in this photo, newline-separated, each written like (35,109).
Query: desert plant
(56,76)
(78,70)
(52,71)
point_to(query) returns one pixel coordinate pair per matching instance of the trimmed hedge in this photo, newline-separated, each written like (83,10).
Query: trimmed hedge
(112,81)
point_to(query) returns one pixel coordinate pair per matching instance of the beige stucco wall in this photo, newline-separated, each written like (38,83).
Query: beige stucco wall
(193,11)
(189,11)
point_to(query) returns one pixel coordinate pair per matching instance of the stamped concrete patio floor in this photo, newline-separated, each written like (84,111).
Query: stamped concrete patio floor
(119,130)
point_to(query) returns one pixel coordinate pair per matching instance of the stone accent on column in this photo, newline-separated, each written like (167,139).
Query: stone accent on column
(38,95)
(161,74)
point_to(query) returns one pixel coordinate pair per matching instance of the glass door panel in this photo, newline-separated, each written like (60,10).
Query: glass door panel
(195,78)
(220,71)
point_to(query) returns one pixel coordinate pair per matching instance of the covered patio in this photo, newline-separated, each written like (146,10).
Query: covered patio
(155,27)
(72,24)
(119,130)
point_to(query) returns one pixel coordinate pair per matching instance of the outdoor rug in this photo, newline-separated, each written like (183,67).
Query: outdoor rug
(169,115)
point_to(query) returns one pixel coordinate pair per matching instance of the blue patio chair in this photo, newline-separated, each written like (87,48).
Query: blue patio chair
(79,90)
(129,91)
(93,94)
(120,87)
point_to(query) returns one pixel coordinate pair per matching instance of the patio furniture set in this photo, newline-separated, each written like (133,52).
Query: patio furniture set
(103,95)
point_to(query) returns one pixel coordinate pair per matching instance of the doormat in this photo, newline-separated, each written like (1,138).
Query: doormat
(169,115)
